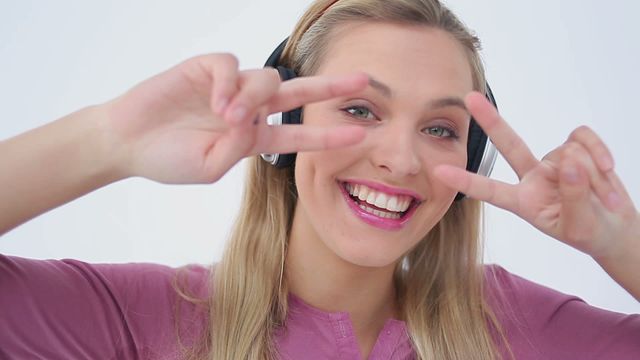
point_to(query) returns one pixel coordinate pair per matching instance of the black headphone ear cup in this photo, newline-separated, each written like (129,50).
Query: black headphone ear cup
(291,117)
(475,144)
(481,153)
(476,141)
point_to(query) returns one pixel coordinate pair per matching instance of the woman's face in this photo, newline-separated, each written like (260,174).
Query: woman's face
(414,119)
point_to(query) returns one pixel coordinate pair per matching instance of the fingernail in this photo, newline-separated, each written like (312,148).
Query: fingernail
(221,104)
(570,173)
(606,163)
(238,114)
(614,200)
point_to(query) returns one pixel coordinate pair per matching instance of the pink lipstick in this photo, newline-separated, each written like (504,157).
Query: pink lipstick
(377,221)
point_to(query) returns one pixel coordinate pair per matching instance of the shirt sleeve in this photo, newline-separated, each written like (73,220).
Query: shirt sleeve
(542,323)
(68,309)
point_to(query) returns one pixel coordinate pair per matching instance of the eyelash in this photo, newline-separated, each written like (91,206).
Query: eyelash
(452,134)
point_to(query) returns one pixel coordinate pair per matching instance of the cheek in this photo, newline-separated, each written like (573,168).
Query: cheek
(316,114)
(304,173)
(455,155)
(312,171)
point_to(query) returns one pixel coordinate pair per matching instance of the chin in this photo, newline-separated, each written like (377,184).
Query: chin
(369,256)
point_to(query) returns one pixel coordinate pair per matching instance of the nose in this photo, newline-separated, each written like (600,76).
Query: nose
(396,151)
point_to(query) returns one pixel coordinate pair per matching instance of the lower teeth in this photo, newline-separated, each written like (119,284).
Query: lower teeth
(382,214)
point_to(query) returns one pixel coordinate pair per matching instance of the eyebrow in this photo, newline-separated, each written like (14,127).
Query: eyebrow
(447,101)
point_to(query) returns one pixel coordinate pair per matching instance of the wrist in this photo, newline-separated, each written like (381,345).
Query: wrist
(626,245)
(55,163)
(109,152)
(622,266)
(628,249)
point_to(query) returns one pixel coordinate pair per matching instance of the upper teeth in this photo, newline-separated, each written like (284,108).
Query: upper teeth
(398,203)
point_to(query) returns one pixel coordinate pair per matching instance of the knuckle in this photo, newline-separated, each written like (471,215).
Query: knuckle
(584,129)
(572,149)
(273,74)
(568,163)
(227,59)
(249,92)
(261,81)
(580,133)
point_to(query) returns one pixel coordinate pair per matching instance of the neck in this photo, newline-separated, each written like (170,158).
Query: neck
(325,281)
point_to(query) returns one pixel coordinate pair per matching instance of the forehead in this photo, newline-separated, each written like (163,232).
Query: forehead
(408,57)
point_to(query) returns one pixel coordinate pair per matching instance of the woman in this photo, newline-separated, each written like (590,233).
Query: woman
(311,271)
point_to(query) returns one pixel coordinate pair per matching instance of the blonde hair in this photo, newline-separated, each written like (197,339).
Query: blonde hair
(439,282)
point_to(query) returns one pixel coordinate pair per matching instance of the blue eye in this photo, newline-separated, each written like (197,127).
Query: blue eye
(359,112)
(443,132)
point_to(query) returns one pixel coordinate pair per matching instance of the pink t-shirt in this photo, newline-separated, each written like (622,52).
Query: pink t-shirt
(51,309)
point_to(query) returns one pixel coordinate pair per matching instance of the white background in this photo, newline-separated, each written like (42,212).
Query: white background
(553,65)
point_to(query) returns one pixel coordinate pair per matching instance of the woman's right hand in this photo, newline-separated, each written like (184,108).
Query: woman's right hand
(193,122)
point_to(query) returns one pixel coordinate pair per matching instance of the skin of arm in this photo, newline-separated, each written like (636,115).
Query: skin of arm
(624,267)
(53,164)
(168,129)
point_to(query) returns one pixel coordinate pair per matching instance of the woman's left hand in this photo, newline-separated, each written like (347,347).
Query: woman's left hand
(572,194)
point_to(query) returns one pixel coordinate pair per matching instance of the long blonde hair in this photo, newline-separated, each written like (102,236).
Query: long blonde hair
(439,282)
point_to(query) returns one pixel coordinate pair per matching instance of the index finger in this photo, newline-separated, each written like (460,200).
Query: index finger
(303,90)
(286,139)
(510,145)
(479,187)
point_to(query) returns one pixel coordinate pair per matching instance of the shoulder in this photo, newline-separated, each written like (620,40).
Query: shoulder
(69,276)
(557,325)
(505,286)
(128,310)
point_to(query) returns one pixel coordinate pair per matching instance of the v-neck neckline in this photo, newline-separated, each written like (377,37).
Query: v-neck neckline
(393,331)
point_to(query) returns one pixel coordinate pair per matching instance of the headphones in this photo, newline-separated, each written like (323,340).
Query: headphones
(481,153)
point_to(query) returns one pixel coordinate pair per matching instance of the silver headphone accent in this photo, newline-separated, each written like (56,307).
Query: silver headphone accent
(488,160)
(273,119)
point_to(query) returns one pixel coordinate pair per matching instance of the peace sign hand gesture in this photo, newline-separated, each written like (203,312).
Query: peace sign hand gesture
(193,122)
(572,194)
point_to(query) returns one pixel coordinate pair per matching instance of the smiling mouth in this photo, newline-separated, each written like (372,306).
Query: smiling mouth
(386,207)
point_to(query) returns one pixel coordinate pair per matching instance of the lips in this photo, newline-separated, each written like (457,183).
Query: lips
(384,210)
(378,199)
